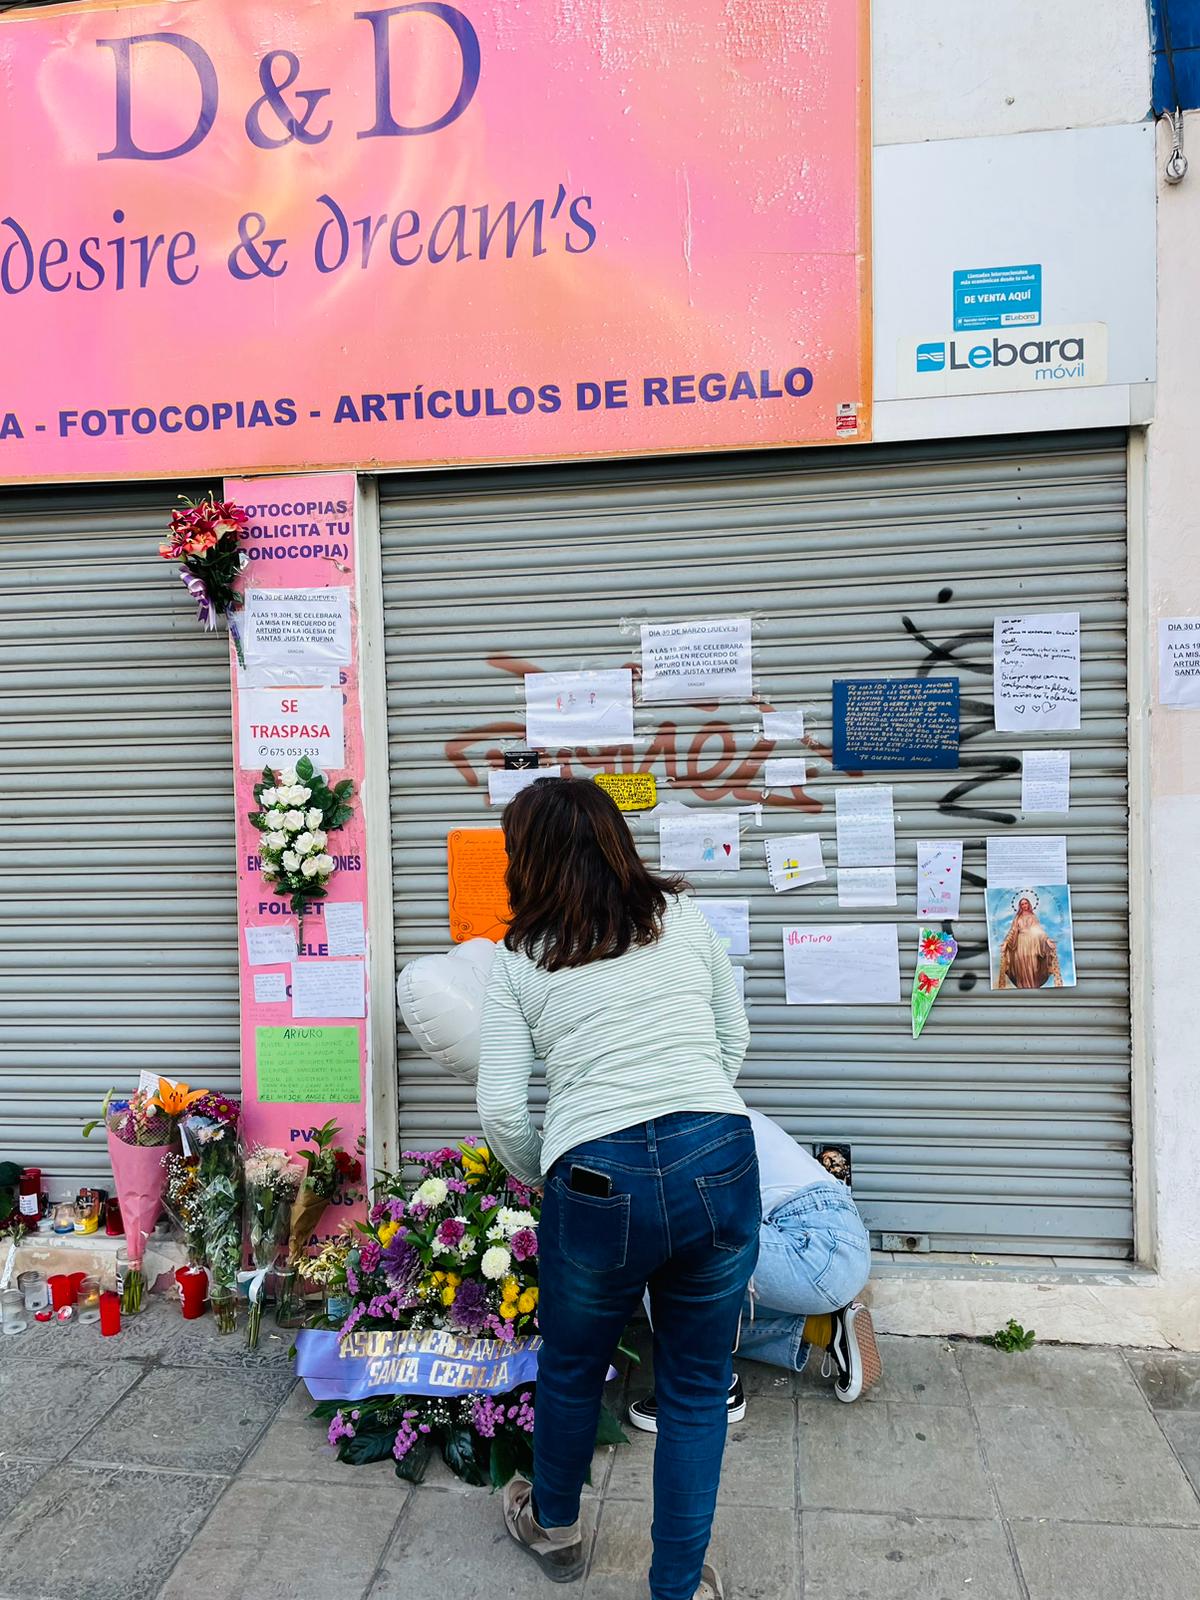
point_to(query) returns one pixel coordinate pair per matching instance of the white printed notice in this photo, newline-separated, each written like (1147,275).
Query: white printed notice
(842,964)
(730,921)
(1017,860)
(1179,661)
(784,772)
(1046,780)
(1036,663)
(697,660)
(295,635)
(270,988)
(701,841)
(345,932)
(566,710)
(782,725)
(502,784)
(328,989)
(270,946)
(866,828)
(866,886)
(939,877)
(794,859)
(278,726)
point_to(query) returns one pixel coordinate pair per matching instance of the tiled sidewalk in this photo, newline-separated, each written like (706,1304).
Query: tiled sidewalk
(169,1462)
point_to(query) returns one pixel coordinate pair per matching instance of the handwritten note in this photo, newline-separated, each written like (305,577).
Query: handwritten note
(939,877)
(697,660)
(882,724)
(345,933)
(270,945)
(478,898)
(1036,671)
(779,725)
(270,988)
(730,921)
(784,772)
(314,1066)
(632,791)
(699,841)
(570,710)
(794,859)
(1179,661)
(1016,861)
(1046,780)
(503,783)
(866,886)
(329,989)
(842,964)
(866,827)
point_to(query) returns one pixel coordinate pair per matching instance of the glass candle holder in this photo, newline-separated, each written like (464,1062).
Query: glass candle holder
(34,1291)
(13,1317)
(88,1303)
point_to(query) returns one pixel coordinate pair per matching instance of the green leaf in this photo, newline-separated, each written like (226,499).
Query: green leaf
(326,1410)
(268,779)
(366,1447)
(502,1462)
(304,769)
(609,1430)
(344,789)
(412,1464)
(458,1452)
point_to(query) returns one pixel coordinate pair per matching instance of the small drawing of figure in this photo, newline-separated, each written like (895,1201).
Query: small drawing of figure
(571,698)
(558,703)
(1028,956)
(592,697)
(710,851)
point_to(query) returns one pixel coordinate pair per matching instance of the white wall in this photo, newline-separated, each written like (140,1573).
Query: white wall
(957,69)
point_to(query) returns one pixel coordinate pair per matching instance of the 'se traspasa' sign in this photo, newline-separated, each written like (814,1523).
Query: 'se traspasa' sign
(238,237)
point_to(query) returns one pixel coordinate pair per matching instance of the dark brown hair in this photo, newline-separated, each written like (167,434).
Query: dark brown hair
(578,889)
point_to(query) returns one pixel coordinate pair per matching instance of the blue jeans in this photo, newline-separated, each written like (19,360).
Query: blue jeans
(683,1219)
(814,1256)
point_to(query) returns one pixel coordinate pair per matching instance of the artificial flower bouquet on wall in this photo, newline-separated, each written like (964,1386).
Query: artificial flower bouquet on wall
(444,1273)
(296,812)
(205,538)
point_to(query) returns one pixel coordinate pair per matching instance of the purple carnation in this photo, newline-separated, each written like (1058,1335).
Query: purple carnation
(456,1186)
(395,1210)
(520,1192)
(369,1254)
(451,1233)
(524,1243)
(489,1202)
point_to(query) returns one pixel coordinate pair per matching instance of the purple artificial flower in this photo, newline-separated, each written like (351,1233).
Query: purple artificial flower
(377,1213)
(451,1233)
(341,1428)
(456,1186)
(400,1260)
(350,1321)
(369,1254)
(520,1192)
(489,1202)
(524,1243)
(469,1311)
(395,1209)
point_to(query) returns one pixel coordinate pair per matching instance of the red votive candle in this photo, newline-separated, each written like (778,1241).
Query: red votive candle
(110,1312)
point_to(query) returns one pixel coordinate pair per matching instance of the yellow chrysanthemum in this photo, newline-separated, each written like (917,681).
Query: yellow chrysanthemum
(527,1302)
(508,1310)
(448,1296)
(510,1289)
(453,1279)
(387,1232)
(438,1277)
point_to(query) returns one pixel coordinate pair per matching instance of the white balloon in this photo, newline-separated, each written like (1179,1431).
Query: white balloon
(441,1001)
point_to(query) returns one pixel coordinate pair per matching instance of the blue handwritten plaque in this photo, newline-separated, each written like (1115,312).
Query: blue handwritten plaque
(893,724)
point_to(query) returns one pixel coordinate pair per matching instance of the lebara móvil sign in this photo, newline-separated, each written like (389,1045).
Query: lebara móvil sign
(240,236)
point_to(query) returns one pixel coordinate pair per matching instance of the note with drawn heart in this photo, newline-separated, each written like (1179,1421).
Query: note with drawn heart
(939,877)
(695,840)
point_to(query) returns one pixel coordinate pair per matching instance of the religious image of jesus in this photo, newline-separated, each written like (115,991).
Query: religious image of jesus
(1028,956)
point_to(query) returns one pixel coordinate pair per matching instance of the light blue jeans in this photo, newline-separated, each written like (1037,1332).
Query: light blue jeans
(814,1255)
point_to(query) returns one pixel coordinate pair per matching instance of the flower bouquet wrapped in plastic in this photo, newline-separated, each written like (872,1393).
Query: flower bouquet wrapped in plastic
(138,1129)
(272,1180)
(210,1128)
(329,1168)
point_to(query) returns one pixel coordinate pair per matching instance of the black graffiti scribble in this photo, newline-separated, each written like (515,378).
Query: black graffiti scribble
(990,769)
(941,655)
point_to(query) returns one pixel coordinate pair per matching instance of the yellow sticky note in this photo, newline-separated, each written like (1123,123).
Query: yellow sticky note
(633,791)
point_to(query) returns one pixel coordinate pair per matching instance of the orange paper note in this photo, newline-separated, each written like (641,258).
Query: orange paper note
(479,906)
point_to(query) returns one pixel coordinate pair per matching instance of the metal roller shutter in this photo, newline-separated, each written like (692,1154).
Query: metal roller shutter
(118,917)
(1007,1124)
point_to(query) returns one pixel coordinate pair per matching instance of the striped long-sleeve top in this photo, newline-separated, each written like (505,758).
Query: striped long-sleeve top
(657,1030)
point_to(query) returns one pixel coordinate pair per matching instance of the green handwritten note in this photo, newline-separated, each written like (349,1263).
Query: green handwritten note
(308,1064)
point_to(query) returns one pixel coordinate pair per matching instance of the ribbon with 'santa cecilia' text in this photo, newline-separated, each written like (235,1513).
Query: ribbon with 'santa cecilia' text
(374,1361)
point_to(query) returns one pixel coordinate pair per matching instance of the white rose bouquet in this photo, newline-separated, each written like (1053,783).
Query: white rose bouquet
(297,811)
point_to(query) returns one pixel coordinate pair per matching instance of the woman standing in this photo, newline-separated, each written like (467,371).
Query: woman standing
(613,979)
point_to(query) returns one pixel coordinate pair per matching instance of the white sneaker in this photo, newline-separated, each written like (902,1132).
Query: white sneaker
(711,1587)
(643,1413)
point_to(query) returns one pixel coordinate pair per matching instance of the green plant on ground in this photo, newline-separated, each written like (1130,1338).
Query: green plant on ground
(1011,1337)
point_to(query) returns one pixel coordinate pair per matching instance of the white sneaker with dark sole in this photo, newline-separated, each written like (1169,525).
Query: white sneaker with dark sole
(643,1414)
(854,1353)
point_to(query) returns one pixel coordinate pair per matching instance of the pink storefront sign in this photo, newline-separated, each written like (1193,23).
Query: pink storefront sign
(259,235)
(299,622)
